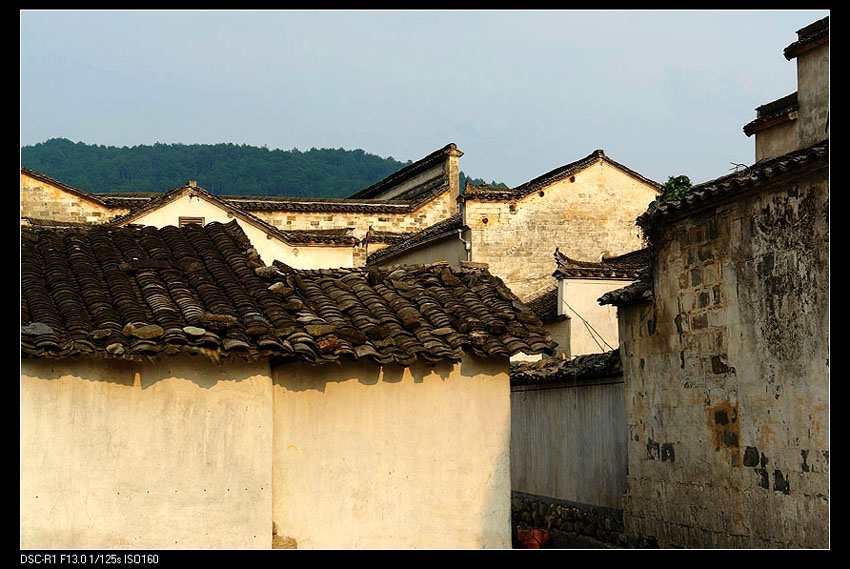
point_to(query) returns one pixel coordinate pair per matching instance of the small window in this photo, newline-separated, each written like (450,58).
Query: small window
(184,221)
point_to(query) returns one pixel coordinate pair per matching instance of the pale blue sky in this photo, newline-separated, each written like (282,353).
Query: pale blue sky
(520,92)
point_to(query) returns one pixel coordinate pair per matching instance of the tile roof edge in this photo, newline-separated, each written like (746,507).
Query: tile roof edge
(612,267)
(580,368)
(808,37)
(425,163)
(772,113)
(638,292)
(751,177)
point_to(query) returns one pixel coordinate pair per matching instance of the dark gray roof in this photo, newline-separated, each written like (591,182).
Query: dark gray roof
(134,292)
(772,112)
(290,237)
(638,291)
(731,185)
(814,33)
(545,306)
(581,368)
(390,237)
(626,266)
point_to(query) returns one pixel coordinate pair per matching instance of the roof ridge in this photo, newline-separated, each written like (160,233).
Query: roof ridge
(175,193)
(557,174)
(738,181)
(422,164)
(45,178)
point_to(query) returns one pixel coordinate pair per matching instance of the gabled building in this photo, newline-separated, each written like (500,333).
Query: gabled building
(587,208)
(190,204)
(418,195)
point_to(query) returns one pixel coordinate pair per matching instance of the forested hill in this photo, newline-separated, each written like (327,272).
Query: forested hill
(222,169)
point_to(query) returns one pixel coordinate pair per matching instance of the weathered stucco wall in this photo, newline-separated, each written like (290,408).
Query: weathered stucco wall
(777,140)
(568,441)
(813,95)
(727,376)
(298,257)
(585,218)
(41,200)
(393,457)
(135,455)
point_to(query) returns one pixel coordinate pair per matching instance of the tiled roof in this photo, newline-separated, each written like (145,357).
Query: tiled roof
(436,158)
(493,193)
(772,112)
(545,306)
(448,226)
(263,203)
(638,291)
(127,201)
(343,205)
(626,266)
(36,222)
(815,33)
(134,291)
(390,237)
(581,368)
(707,193)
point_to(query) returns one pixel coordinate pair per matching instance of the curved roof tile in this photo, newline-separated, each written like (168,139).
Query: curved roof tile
(131,292)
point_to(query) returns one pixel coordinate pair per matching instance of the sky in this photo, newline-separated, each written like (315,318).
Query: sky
(521,93)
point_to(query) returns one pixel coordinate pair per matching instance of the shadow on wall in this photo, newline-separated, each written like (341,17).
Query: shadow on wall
(196,369)
(295,376)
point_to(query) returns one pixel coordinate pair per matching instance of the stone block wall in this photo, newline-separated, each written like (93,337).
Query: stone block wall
(727,377)
(42,200)
(571,525)
(591,214)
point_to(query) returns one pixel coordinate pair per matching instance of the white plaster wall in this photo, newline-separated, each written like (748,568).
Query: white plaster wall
(393,457)
(578,299)
(270,249)
(139,455)
(448,248)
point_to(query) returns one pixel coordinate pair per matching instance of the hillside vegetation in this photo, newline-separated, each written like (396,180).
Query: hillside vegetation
(223,169)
